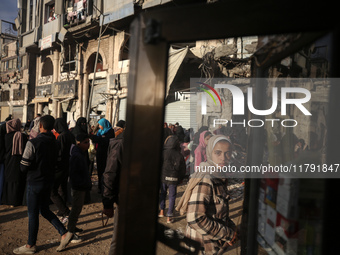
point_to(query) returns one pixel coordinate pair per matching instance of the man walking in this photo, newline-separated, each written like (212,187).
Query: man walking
(39,161)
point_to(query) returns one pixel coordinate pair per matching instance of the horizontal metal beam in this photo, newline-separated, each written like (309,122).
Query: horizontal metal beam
(242,18)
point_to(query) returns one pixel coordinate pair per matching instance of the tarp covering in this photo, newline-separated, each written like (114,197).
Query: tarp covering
(176,58)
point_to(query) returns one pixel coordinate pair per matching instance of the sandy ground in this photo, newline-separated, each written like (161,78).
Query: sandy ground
(14,228)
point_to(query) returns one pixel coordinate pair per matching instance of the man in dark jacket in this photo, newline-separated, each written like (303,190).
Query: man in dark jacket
(39,161)
(59,189)
(111,178)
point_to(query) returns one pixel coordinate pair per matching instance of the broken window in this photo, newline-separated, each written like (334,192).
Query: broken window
(124,50)
(69,58)
(91,63)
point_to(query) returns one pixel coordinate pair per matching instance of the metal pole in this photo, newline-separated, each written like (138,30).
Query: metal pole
(95,68)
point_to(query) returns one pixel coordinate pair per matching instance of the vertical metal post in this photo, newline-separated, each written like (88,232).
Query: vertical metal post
(139,188)
(255,156)
(330,215)
(95,68)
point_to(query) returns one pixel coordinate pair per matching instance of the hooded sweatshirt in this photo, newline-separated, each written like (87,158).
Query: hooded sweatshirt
(173,169)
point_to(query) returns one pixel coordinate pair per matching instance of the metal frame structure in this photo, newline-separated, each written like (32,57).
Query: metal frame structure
(151,34)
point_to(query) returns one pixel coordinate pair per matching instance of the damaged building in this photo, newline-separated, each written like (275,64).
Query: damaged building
(13,80)
(78,55)
(307,68)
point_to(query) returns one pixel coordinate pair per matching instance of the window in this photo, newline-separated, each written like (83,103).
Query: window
(50,15)
(18,94)
(30,14)
(69,58)
(5,96)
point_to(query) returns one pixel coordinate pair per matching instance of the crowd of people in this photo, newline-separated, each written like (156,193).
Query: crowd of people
(53,154)
(205,200)
(40,160)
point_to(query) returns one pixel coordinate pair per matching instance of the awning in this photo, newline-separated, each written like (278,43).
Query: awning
(40,100)
(176,58)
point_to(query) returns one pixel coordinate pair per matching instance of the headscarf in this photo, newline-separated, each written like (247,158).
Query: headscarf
(197,177)
(106,127)
(81,127)
(35,129)
(60,125)
(15,126)
(200,153)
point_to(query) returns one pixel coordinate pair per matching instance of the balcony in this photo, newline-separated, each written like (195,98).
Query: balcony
(51,27)
(76,15)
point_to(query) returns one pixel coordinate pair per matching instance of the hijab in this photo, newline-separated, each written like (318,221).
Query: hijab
(35,129)
(15,126)
(200,153)
(60,125)
(197,177)
(106,127)
(81,127)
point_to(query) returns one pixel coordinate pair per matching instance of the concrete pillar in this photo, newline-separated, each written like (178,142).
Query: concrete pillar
(80,97)
(35,110)
(86,93)
(80,79)
(59,110)
(109,114)
(40,108)
(55,79)
(55,108)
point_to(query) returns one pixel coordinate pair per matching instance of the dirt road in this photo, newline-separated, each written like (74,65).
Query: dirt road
(14,228)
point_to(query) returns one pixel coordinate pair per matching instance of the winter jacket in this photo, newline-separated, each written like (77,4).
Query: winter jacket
(39,159)
(173,168)
(112,172)
(79,171)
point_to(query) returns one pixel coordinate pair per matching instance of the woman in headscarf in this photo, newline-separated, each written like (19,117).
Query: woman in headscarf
(205,201)
(102,139)
(81,127)
(35,129)
(15,180)
(200,154)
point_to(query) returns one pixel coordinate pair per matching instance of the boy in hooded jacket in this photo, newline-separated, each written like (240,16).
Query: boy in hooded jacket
(173,172)
(80,183)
